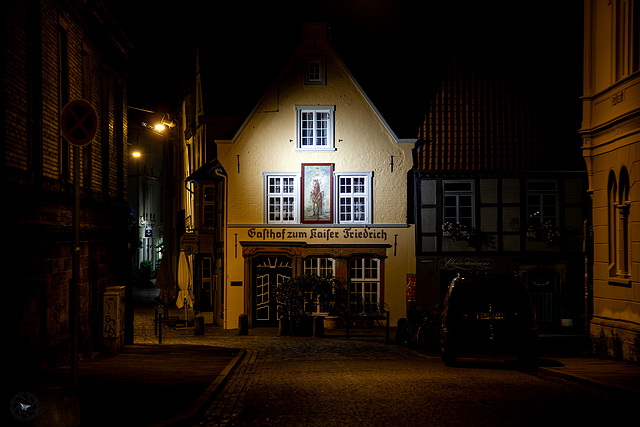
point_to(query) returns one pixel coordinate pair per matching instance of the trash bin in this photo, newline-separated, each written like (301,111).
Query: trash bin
(113,319)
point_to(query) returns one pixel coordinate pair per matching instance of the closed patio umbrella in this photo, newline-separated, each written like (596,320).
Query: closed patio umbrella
(185,284)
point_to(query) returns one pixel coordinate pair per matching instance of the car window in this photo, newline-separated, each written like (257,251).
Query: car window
(473,295)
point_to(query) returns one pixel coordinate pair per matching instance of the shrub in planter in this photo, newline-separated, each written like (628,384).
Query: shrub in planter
(297,298)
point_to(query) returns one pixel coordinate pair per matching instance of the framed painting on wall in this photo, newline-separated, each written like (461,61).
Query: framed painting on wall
(317,197)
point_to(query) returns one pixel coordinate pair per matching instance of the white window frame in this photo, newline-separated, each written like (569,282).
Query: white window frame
(307,142)
(270,195)
(461,217)
(315,72)
(545,211)
(318,266)
(345,201)
(363,284)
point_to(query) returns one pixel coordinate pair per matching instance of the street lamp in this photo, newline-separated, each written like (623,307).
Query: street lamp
(166,121)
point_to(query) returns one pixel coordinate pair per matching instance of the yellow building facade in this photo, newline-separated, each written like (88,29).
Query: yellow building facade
(314,182)
(611,149)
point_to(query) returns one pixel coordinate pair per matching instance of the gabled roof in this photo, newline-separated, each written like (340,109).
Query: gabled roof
(488,117)
(253,90)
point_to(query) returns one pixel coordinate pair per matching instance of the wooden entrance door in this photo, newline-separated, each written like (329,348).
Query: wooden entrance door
(543,287)
(269,273)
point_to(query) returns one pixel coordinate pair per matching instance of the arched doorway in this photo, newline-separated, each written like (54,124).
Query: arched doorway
(270,271)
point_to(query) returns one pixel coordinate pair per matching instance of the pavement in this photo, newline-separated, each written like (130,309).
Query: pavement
(174,382)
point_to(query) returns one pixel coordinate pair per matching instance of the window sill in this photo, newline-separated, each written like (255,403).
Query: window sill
(315,149)
(619,281)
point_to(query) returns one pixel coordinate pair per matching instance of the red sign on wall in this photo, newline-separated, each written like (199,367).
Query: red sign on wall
(411,288)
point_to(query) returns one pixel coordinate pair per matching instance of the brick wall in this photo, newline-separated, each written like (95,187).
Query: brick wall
(37,168)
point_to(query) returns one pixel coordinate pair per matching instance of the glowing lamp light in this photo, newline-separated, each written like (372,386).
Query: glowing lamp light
(136,154)
(159,127)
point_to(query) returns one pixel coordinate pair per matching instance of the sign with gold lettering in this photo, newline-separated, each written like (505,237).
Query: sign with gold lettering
(331,235)
(466,263)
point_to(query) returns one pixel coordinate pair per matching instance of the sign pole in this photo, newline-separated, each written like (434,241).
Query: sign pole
(78,123)
(73,290)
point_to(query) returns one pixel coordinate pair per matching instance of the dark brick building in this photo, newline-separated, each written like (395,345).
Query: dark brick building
(53,52)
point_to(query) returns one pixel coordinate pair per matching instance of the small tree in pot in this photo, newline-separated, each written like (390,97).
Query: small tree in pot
(298,297)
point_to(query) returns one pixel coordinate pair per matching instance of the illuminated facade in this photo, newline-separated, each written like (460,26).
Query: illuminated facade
(312,181)
(611,149)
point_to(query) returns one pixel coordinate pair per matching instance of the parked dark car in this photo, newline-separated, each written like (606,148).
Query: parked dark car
(489,313)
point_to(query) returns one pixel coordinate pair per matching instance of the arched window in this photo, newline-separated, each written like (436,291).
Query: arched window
(624,238)
(612,226)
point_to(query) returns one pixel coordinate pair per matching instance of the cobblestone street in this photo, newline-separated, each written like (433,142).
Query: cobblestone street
(307,381)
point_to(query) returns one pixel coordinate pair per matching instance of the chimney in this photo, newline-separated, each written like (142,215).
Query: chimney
(315,31)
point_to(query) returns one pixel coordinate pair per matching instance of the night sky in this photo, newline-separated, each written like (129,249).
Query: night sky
(396,49)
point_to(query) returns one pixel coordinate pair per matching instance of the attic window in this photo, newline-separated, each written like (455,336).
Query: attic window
(315,71)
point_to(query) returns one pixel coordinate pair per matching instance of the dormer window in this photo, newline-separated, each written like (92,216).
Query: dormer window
(314,126)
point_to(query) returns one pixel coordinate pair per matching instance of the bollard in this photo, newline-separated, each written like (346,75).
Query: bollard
(388,318)
(283,326)
(400,335)
(318,326)
(198,325)
(243,324)
(158,323)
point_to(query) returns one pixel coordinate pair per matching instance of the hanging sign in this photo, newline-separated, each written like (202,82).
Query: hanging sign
(79,122)
(189,243)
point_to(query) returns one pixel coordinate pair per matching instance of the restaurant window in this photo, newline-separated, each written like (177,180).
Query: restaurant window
(364,286)
(354,198)
(314,303)
(281,204)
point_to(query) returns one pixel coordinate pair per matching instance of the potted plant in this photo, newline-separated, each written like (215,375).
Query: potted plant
(337,305)
(473,237)
(545,232)
(297,297)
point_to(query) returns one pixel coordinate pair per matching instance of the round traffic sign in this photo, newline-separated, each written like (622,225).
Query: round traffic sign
(79,122)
